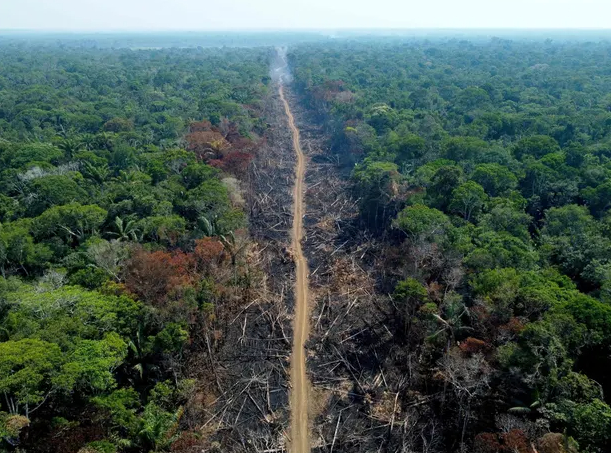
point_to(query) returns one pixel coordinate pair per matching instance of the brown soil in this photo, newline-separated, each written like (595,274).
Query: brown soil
(300,387)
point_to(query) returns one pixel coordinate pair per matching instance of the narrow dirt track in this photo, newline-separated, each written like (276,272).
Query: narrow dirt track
(300,439)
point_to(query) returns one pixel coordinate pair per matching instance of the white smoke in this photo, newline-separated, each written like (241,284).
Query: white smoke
(279,70)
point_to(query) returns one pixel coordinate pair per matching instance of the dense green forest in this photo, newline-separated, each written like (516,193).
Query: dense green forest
(484,167)
(122,232)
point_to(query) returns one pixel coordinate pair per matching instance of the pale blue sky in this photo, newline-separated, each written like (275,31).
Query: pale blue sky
(291,14)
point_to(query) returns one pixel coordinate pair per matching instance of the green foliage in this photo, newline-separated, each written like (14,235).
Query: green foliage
(89,277)
(574,240)
(425,174)
(210,198)
(18,156)
(92,363)
(382,118)
(496,179)
(18,250)
(593,314)
(410,289)
(121,405)
(29,370)
(195,174)
(172,338)
(376,184)
(592,425)
(166,229)
(512,292)
(52,190)
(464,148)
(420,222)
(407,148)
(536,146)
(579,388)
(468,199)
(93,170)
(444,182)
(158,427)
(501,249)
(9,207)
(101,446)
(69,222)
(69,313)
(504,215)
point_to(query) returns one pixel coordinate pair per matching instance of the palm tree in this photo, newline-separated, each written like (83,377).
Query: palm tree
(126,230)
(104,140)
(142,365)
(88,141)
(97,173)
(208,227)
(453,311)
(158,428)
(70,146)
(127,176)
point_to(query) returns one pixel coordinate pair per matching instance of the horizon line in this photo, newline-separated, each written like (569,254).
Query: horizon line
(298,29)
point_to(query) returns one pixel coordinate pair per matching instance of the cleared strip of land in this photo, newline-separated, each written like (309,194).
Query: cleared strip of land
(300,439)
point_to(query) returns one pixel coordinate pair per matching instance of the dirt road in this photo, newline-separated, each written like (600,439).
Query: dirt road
(300,439)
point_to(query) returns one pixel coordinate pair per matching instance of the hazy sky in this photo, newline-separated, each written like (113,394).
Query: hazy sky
(282,14)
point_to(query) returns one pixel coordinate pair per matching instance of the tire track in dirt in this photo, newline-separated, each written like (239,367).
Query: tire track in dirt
(300,387)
